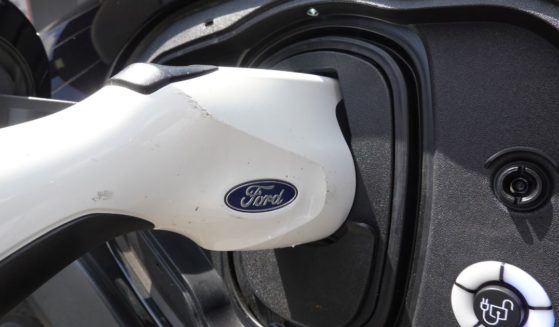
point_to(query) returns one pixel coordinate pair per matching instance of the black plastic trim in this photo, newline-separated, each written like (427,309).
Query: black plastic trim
(465,288)
(113,289)
(29,267)
(148,78)
(540,308)
(521,152)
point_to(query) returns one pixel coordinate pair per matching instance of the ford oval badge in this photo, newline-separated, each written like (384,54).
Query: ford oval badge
(261,195)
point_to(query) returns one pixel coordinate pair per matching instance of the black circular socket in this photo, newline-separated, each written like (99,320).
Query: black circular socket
(519,186)
(499,306)
(522,185)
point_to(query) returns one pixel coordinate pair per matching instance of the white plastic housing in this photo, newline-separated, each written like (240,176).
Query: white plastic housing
(171,156)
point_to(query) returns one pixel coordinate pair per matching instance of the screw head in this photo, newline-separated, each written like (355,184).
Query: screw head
(519,185)
(312,12)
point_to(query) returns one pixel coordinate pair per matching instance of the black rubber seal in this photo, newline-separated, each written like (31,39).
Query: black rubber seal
(28,268)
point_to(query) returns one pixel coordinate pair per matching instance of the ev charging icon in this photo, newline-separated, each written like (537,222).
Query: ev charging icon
(493,314)
(499,306)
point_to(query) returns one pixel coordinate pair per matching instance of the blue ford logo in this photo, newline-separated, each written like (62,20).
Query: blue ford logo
(261,195)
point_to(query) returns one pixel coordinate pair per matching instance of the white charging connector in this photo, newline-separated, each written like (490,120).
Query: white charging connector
(234,159)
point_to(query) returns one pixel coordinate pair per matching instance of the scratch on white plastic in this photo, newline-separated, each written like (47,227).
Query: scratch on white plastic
(103,196)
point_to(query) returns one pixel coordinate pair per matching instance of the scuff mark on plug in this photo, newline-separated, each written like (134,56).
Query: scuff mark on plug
(103,196)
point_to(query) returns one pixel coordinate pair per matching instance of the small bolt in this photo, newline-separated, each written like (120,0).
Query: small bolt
(519,186)
(312,12)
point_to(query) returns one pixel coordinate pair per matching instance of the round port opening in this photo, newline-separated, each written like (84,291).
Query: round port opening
(522,185)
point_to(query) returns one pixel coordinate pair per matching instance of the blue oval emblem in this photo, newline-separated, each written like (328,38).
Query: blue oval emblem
(261,195)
